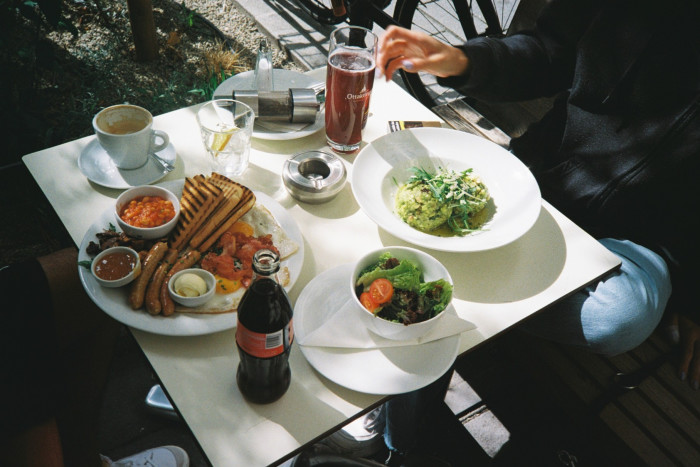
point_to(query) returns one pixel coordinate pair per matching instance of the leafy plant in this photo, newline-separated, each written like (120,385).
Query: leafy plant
(206,89)
(189,18)
(220,65)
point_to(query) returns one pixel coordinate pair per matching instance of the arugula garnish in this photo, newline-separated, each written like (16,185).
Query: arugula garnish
(464,194)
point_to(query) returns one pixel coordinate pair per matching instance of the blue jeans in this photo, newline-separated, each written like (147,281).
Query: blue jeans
(617,313)
(609,317)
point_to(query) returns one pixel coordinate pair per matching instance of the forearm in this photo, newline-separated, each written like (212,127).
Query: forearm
(528,64)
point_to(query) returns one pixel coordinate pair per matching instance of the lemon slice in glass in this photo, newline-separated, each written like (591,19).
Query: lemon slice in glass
(220,141)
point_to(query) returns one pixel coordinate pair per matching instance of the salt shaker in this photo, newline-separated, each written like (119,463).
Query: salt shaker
(263,68)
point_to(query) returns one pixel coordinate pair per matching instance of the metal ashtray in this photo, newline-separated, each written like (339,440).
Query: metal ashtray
(314,176)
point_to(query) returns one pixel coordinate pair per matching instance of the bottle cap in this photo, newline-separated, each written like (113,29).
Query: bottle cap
(266,262)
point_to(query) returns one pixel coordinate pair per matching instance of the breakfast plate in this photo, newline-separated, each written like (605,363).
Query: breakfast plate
(114,301)
(387,370)
(97,166)
(281,80)
(383,165)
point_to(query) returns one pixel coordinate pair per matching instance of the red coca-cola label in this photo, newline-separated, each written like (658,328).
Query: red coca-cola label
(263,345)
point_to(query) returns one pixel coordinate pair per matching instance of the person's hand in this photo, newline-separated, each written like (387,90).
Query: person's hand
(416,51)
(686,333)
(689,340)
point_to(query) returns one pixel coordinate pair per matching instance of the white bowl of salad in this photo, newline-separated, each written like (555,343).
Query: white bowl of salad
(400,292)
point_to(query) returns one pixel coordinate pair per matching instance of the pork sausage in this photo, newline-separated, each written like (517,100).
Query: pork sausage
(153,305)
(138,287)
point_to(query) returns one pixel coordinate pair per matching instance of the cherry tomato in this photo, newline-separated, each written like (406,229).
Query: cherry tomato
(381,291)
(367,302)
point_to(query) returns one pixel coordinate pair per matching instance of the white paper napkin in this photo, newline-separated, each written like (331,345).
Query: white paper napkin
(344,329)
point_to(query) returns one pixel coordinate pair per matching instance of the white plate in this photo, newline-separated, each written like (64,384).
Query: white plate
(114,301)
(97,166)
(391,370)
(383,165)
(281,80)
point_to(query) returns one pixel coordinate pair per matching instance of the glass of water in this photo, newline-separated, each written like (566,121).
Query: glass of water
(226,126)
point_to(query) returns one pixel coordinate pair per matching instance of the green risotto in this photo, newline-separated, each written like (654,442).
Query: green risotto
(445,202)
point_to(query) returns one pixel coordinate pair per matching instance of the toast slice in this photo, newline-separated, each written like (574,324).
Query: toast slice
(209,206)
(232,194)
(241,209)
(199,199)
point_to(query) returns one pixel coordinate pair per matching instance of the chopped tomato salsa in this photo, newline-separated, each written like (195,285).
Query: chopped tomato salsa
(147,211)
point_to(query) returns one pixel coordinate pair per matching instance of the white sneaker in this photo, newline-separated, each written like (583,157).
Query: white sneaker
(164,456)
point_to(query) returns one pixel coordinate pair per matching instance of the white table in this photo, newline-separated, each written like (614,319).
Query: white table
(554,259)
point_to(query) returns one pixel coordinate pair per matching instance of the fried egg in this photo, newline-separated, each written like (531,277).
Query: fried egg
(263,222)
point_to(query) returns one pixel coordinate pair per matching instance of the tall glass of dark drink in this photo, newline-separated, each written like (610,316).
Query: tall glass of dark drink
(349,81)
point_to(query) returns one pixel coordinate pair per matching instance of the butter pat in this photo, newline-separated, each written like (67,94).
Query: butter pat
(190,285)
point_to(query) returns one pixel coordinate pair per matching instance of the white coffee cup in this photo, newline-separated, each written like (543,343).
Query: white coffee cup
(125,133)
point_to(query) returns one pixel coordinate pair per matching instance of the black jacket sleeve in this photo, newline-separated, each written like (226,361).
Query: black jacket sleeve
(619,153)
(528,64)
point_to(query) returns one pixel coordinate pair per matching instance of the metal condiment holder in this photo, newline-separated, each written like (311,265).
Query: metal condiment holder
(294,105)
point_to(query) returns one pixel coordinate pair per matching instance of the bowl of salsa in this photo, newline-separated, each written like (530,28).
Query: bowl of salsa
(148,212)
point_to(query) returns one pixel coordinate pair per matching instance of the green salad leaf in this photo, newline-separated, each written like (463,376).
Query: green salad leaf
(404,276)
(440,300)
(413,300)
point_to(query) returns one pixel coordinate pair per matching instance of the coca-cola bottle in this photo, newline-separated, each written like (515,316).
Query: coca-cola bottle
(264,334)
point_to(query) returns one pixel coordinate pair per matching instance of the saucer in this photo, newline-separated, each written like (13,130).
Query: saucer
(281,79)
(98,167)
(387,370)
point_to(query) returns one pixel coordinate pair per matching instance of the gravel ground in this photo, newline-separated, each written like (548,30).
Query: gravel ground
(55,80)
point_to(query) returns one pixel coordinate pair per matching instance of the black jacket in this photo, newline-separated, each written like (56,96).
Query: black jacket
(619,153)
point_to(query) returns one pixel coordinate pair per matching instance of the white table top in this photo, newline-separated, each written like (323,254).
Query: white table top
(552,260)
